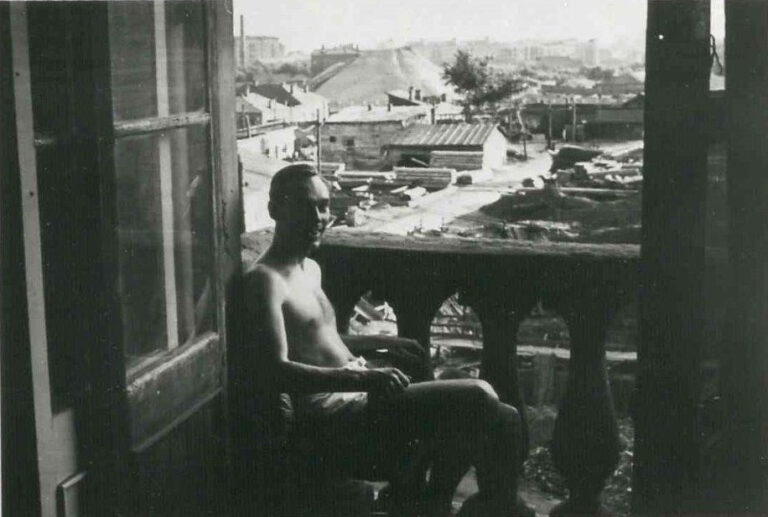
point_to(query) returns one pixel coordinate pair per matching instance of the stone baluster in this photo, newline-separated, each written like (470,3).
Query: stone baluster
(501,319)
(415,309)
(585,445)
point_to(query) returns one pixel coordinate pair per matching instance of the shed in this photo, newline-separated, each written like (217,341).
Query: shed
(356,135)
(460,146)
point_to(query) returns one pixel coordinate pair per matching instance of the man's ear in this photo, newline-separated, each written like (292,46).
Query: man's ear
(272,210)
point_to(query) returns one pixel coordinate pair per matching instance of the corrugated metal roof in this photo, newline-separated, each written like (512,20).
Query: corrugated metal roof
(439,135)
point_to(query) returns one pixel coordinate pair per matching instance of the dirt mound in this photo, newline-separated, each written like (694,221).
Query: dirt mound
(375,72)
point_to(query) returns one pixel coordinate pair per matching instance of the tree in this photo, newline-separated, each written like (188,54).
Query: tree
(596,73)
(480,85)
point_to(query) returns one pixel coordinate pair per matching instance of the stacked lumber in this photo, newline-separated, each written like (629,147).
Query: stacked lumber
(351,179)
(459,160)
(603,168)
(430,178)
(330,168)
(413,193)
(366,175)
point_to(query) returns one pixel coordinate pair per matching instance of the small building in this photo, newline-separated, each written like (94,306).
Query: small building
(248,117)
(459,146)
(296,103)
(621,84)
(310,104)
(413,97)
(271,110)
(276,140)
(624,121)
(326,57)
(357,135)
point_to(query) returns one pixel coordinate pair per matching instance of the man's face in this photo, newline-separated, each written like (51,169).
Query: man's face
(306,214)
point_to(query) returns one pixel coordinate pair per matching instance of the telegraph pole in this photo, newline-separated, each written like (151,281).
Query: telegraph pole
(522,132)
(574,118)
(317,138)
(549,125)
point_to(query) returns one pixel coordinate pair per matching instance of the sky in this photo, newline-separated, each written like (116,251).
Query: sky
(307,24)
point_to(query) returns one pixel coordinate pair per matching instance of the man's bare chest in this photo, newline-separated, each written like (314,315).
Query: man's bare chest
(307,305)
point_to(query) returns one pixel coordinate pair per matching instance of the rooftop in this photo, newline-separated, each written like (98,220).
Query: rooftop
(372,114)
(243,106)
(439,135)
(277,93)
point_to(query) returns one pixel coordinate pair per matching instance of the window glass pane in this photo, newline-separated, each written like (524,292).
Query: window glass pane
(193,229)
(132,44)
(165,218)
(185,34)
(140,245)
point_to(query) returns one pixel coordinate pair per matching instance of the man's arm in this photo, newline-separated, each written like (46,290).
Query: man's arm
(268,346)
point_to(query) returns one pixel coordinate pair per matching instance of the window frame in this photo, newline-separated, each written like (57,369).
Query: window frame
(152,382)
(160,127)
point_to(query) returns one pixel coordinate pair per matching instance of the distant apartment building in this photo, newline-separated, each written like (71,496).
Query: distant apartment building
(257,48)
(589,53)
(326,57)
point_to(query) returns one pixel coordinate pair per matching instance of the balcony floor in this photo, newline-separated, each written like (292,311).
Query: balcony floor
(535,498)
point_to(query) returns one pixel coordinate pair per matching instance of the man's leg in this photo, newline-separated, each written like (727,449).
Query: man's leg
(466,422)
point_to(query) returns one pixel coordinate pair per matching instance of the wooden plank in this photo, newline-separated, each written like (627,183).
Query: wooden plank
(55,434)
(177,422)
(575,190)
(160,123)
(159,396)
(169,259)
(346,239)
(166,180)
(744,366)
(227,190)
(673,257)
(340,237)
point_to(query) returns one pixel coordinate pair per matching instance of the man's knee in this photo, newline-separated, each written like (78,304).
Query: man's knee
(483,394)
(511,415)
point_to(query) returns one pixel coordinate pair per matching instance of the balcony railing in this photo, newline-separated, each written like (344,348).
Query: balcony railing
(502,281)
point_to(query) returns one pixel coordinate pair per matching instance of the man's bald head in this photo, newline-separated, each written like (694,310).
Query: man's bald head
(290,181)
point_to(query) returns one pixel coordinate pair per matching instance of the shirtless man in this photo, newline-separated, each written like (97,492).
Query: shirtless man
(298,350)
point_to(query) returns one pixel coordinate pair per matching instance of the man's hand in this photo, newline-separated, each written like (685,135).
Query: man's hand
(386,381)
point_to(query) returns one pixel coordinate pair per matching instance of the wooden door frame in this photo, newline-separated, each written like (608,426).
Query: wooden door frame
(56,434)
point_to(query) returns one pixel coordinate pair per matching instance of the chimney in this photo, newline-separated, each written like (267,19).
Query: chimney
(389,106)
(410,93)
(432,114)
(369,107)
(290,88)
(242,41)
(418,95)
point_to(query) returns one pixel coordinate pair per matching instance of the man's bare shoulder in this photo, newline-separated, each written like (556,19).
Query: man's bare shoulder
(312,268)
(264,281)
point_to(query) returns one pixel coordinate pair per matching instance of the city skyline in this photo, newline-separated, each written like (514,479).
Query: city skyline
(310,25)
